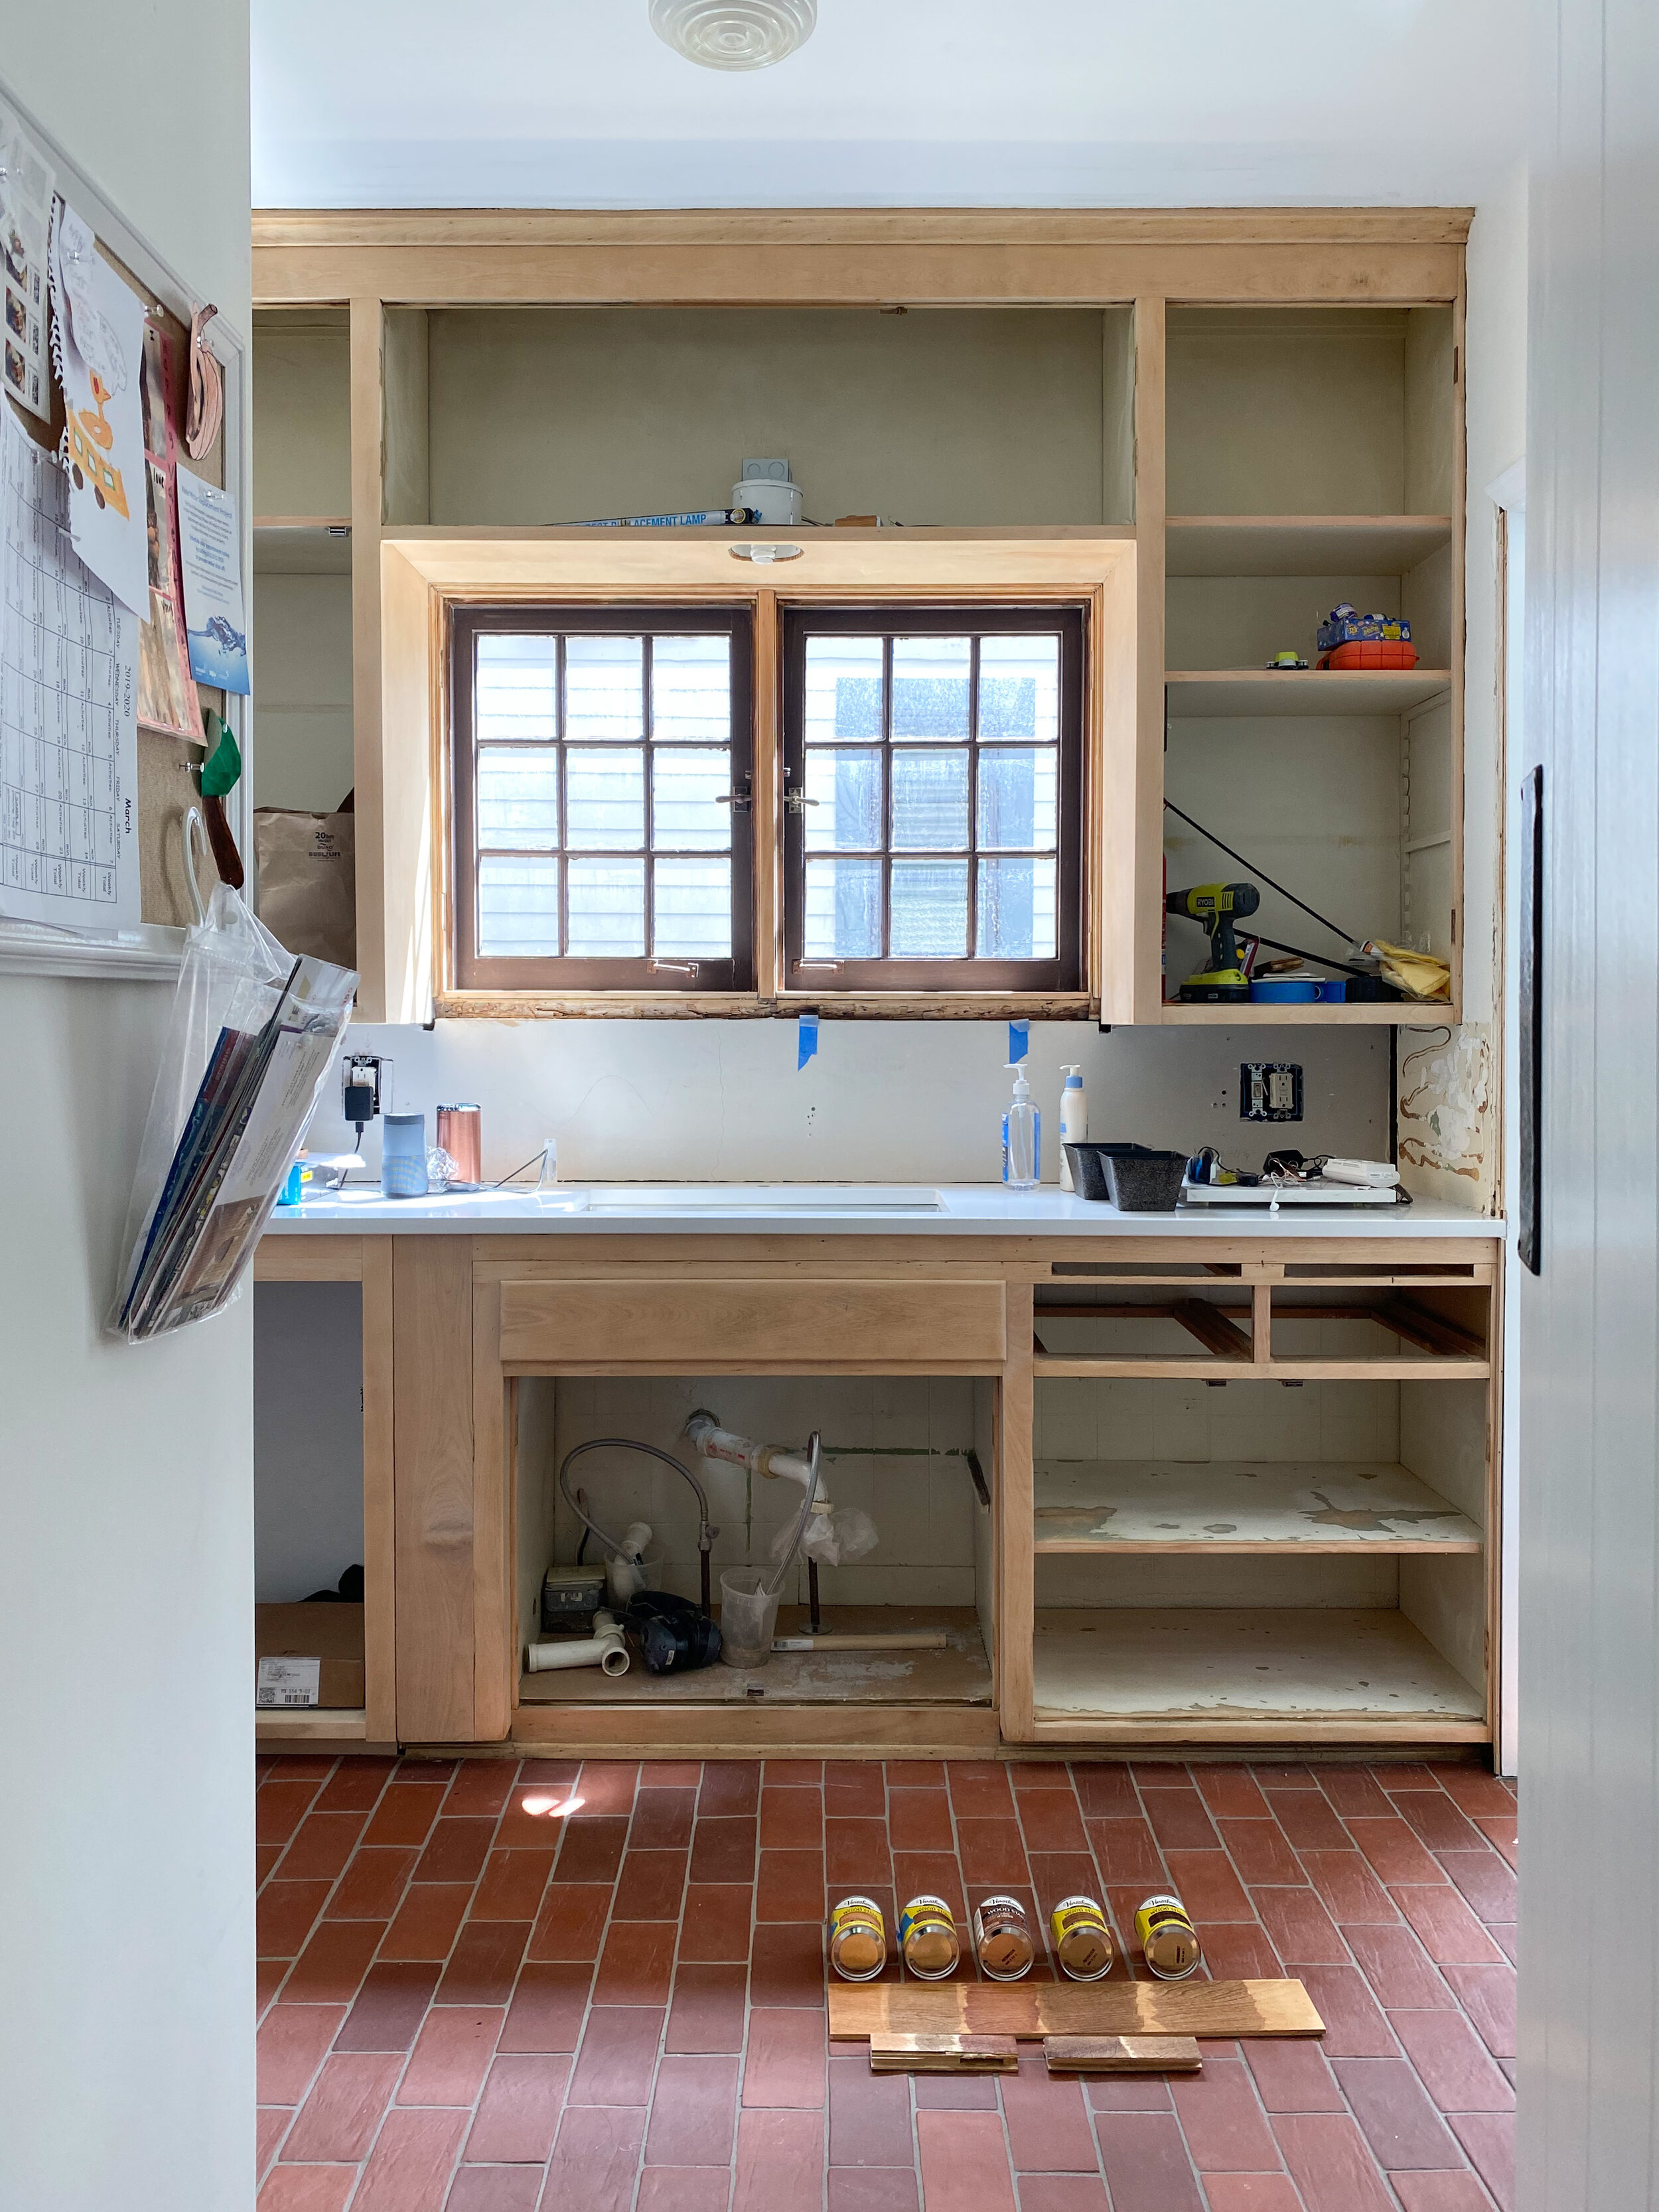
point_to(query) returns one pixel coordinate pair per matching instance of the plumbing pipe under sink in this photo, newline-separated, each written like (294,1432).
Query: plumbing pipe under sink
(604,1648)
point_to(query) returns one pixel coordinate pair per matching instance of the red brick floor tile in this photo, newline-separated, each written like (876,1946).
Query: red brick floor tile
(1506,1933)
(1441,2192)
(964,2162)
(548,1773)
(1207,1887)
(1394,2114)
(920,1820)
(1397,1967)
(269,1975)
(1055,1875)
(321,1844)
(684,2189)
(715,1928)
(979,1790)
(427,1922)
(1146,2163)
(495,2189)
(1457,2069)
(607,1785)
(723,1849)
(1178,1819)
(330,1968)
(540,1820)
(618,2056)
(651,1886)
(596,2160)
(662,1820)
(1446,1927)
(279,1807)
(854,1788)
(1307,1819)
(793,1773)
(1222,2120)
(1291,2076)
(779,2162)
(791,1884)
(1302,1931)
(451,2055)
(932,1874)
(1331,2163)
(669,1774)
(869,2115)
(517,2113)
(547,2008)
(1061,2192)
(855,1853)
(991,1851)
(265,1856)
(1236,1953)
(512,1886)
(294,2040)
(1437,1821)
(1489,2139)
(1229,1790)
(1051,1821)
(373,1885)
(456,1850)
(271,2124)
(869,2189)
(1411,1777)
(1125,1851)
(1502,1833)
(307,2188)
(707,2012)
(405,1812)
(340,2118)
(793,1820)
(785,2057)
(1261,1852)
(1473,1790)
(1350,1890)
(1105,1792)
(481,1785)
(913,1773)
(570,1925)
(1048,2121)
(1278,1776)
(1395,1853)
(389,2007)
(1251,2192)
(729,1786)
(1485,1880)
(485,1963)
(410,2167)
(954,2093)
(1354,1793)
(284,1915)
(636,1966)
(786,1968)
(591,1851)
(1354,2024)
(693,2113)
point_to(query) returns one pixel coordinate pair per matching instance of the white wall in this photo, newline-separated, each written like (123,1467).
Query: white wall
(1588,2088)
(126,1846)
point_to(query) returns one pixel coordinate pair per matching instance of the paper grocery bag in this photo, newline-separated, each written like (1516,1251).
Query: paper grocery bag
(308,881)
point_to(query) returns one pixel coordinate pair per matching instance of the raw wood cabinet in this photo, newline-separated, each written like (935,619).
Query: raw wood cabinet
(1234,1491)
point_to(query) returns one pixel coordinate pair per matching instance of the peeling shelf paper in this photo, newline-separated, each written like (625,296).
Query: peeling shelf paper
(99,340)
(25,181)
(211,548)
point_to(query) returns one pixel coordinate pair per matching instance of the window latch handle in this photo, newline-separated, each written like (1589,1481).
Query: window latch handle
(830,967)
(740,802)
(672,967)
(796,800)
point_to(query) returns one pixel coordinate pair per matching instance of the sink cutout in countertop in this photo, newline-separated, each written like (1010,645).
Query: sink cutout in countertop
(764,1198)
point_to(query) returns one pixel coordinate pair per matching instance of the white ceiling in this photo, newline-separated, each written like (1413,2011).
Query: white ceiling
(576,103)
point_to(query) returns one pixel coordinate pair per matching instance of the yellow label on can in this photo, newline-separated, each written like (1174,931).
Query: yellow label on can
(928,1939)
(858,1939)
(1083,1938)
(1168,1942)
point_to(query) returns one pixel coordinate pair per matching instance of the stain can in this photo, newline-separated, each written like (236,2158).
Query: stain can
(928,1941)
(1168,1942)
(1002,1939)
(1083,1939)
(858,1939)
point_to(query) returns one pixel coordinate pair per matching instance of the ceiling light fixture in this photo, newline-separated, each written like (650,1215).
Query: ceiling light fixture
(734,34)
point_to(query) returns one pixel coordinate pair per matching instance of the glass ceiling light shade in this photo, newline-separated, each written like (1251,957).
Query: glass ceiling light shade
(734,34)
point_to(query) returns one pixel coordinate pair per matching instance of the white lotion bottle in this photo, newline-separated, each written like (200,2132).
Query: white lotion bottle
(1022,1135)
(1073,1117)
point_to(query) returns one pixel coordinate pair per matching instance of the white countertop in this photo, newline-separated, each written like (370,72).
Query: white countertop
(836,1209)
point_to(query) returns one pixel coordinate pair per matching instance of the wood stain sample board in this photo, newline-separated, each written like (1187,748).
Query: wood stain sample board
(1224,2009)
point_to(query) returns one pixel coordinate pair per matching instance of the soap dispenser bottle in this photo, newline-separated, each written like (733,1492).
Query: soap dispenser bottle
(1074,1118)
(1022,1135)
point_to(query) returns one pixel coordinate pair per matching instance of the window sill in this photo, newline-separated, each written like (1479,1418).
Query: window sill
(748,1006)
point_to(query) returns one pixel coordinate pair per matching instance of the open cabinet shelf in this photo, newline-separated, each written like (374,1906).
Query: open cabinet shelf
(1302,544)
(1245,694)
(1242,1506)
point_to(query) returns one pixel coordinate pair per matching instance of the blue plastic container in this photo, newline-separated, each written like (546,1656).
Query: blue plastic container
(1285,991)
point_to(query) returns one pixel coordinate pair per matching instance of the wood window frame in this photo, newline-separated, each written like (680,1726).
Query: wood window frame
(943,979)
(624,978)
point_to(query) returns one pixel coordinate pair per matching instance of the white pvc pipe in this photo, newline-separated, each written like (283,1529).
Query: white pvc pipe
(769,1460)
(605,1649)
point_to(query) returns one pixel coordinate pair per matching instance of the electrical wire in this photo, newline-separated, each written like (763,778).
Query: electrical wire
(1324,920)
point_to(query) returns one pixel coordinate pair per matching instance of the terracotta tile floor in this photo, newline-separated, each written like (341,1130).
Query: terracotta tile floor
(472,2000)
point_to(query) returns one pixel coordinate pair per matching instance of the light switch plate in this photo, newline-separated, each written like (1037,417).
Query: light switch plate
(1269,1091)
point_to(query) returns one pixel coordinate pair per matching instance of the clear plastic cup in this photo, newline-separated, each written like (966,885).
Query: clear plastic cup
(748,1618)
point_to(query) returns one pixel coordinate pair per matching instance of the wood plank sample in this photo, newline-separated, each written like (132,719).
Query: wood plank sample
(1122,2054)
(945,2054)
(1226,2009)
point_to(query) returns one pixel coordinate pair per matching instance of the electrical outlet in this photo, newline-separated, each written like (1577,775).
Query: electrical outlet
(1269,1091)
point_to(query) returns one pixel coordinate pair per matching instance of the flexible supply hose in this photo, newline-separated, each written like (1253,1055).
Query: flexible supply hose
(604,1650)
(613,1546)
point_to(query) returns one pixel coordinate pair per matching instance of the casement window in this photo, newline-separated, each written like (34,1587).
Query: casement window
(602,768)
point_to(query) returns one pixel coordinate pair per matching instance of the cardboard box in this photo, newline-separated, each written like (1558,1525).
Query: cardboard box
(331,1633)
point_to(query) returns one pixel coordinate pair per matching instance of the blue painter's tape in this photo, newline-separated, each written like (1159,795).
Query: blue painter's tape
(807,1040)
(1019,1040)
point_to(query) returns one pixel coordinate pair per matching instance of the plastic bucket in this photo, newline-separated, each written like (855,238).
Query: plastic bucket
(748,1618)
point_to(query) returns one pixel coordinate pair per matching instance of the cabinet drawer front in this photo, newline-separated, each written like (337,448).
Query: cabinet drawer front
(812,1323)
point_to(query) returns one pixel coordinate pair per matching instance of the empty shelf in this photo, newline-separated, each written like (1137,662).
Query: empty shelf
(1226,694)
(1238,1505)
(1302,544)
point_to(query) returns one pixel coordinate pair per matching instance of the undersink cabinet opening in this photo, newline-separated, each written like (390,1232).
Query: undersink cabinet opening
(915,1454)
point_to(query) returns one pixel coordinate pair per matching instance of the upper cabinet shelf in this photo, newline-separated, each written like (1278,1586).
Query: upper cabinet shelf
(1302,544)
(1229,692)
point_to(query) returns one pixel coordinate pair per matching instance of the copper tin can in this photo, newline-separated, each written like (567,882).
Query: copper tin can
(460,1134)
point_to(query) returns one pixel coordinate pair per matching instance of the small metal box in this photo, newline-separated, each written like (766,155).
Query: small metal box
(570,1598)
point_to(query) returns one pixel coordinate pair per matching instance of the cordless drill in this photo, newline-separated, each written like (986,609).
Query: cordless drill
(1215,904)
